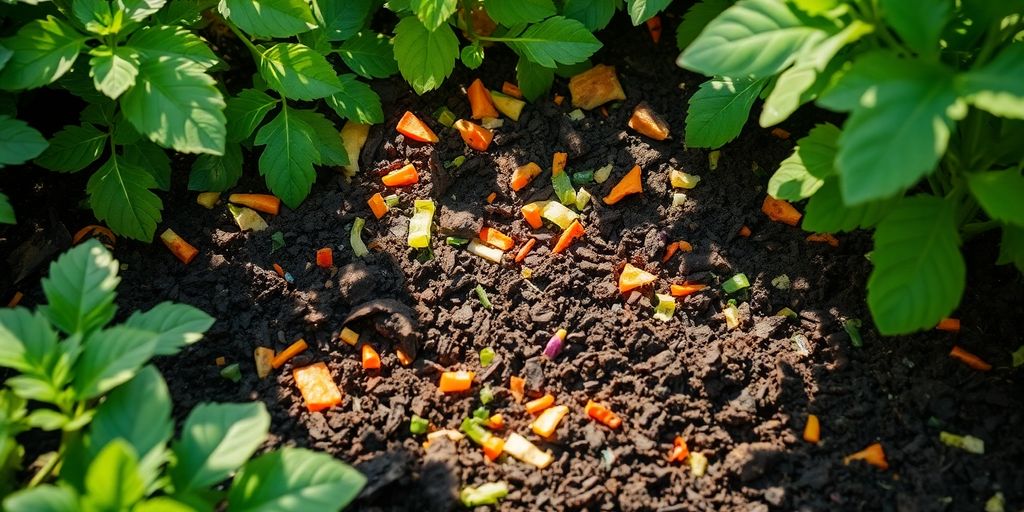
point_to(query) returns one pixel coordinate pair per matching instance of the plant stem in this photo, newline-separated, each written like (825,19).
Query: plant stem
(245,40)
(976,228)
(47,468)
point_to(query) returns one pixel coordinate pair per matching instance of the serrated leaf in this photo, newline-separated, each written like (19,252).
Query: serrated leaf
(171,41)
(96,16)
(328,138)
(139,10)
(19,142)
(6,210)
(112,481)
(804,172)
(43,51)
(643,10)
(755,38)
(369,55)
(433,13)
(697,17)
(110,358)
(294,479)
(287,160)
(919,273)
(719,109)
(472,56)
(270,18)
(113,71)
(298,72)
(998,86)
(919,24)
(534,80)
(1011,248)
(356,101)
(120,196)
(215,441)
(151,158)
(246,111)
(1000,194)
(826,212)
(425,58)
(176,325)
(45,498)
(80,288)
(556,40)
(593,14)
(217,173)
(26,340)
(515,12)
(342,20)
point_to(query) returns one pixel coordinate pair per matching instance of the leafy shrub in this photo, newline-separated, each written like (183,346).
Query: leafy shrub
(934,92)
(91,382)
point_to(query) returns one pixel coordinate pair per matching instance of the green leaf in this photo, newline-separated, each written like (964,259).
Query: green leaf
(171,41)
(1011,250)
(472,56)
(919,273)
(6,211)
(80,288)
(246,111)
(26,341)
(554,41)
(698,16)
(113,482)
(534,80)
(643,10)
(294,479)
(719,109)
(298,72)
(803,173)
(826,212)
(139,10)
(110,358)
(999,193)
(287,160)
(5,55)
(215,441)
(755,38)
(434,13)
(998,86)
(113,72)
(269,18)
(19,142)
(369,55)
(342,20)
(425,58)
(73,148)
(919,24)
(515,12)
(177,325)
(120,196)
(816,7)
(593,14)
(217,173)
(177,105)
(162,504)
(357,102)
(151,158)
(45,498)
(328,138)
(43,51)
(39,389)
(46,419)
(96,16)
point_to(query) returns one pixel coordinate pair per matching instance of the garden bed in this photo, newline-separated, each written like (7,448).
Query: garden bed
(741,397)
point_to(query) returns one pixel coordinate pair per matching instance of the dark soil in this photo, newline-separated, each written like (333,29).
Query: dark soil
(741,397)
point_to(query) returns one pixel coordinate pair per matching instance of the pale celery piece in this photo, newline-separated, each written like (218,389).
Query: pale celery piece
(601,175)
(732,317)
(678,199)
(666,307)
(355,238)
(969,444)
(582,199)
(559,214)
(419,223)
(680,179)
(713,159)
(492,254)
(247,219)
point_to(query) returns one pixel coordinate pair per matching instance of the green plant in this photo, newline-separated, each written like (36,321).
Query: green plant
(91,382)
(934,92)
(19,143)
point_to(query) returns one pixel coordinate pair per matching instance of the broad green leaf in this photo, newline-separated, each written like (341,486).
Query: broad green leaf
(102,114)
(45,498)
(369,55)
(80,288)
(472,56)
(176,324)
(554,41)
(534,80)
(918,24)
(110,358)
(163,504)
(96,16)
(171,41)
(804,172)
(697,17)
(294,479)
(1011,249)
(217,173)
(5,55)
(298,72)
(269,18)
(719,109)
(1000,194)
(826,212)
(19,142)
(113,72)
(571,70)
(138,10)
(919,273)
(35,388)
(246,111)
(215,441)
(151,158)
(6,211)
(356,101)
(816,7)
(328,138)
(643,10)
(515,12)
(425,58)
(434,13)
(342,20)
(997,87)
(47,419)
(26,341)
(112,481)
(755,38)
(187,13)
(73,148)
(120,195)
(43,51)
(593,14)
(287,160)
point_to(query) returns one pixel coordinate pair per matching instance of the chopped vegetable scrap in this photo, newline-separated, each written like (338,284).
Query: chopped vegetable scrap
(732,316)
(713,158)
(220,361)
(812,430)
(293,350)
(631,183)
(679,451)
(15,299)
(562,183)
(480,100)
(491,197)
(576,115)
(265,203)
(511,90)
(479,248)
(745,232)
(370,357)
(582,198)
(492,444)
(418,425)
(779,210)
(279,270)
(949,325)
(780,133)
(603,414)
(317,387)
(532,212)
(825,238)
(554,345)
(647,122)
(455,382)
(232,372)
(247,219)
(670,251)
(698,464)
(474,135)
(633,277)
(969,444)
(873,454)
(680,179)
(496,238)
(852,328)
(736,283)
(403,177)
(969,359)
(208,199)
(444,116)
(665,308)
(583,178)
(378,205)
(264,359)
(781,282)
(517,386)
(574,231)
(595,87)
(654,28)
(601,175)
(455,241)
(496,422)
(678,199)
(539,404)
(546,424)
(682,290)
(511,107)
(522,176)
(486,357)
(520,448)
(355,238)
(419,223)
(486,494)
(482,295)
(525,250)
(181,249)
(108,237)
(325,257)
(559,99)
(353,137)
(414,129)
(492,123)
(1018,357)
(559,214)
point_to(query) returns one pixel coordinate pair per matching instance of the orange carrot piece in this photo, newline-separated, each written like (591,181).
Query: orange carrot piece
(371,360)
(512,90)
(780,133)
(679,451)
(538,405)
(405,176)
(647,122)
(969,359)
(602,414)
(547,422)
(559,99)
(779,210)
(532,214)
(455,382)
(377,205)
(682,290)
(525,250)
(654,28)
(745,232)
(93,228)
(493,446)
(279,270)
(823,238)
(480,101)
(604,111)
(812,430)
(16,299)
(949,325)
(670,251)
(633,277)
(496,422)
(325,257)
(631,183)
(574,231)
(317,387)
(685,246)
(522,176)
(491,197)
(475,136)
(181,249)
(558,163)
(265,203)
(873,454)
(220,361)
(414,129)
(403,358)
(517,386)
(496,238)
(293,350)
